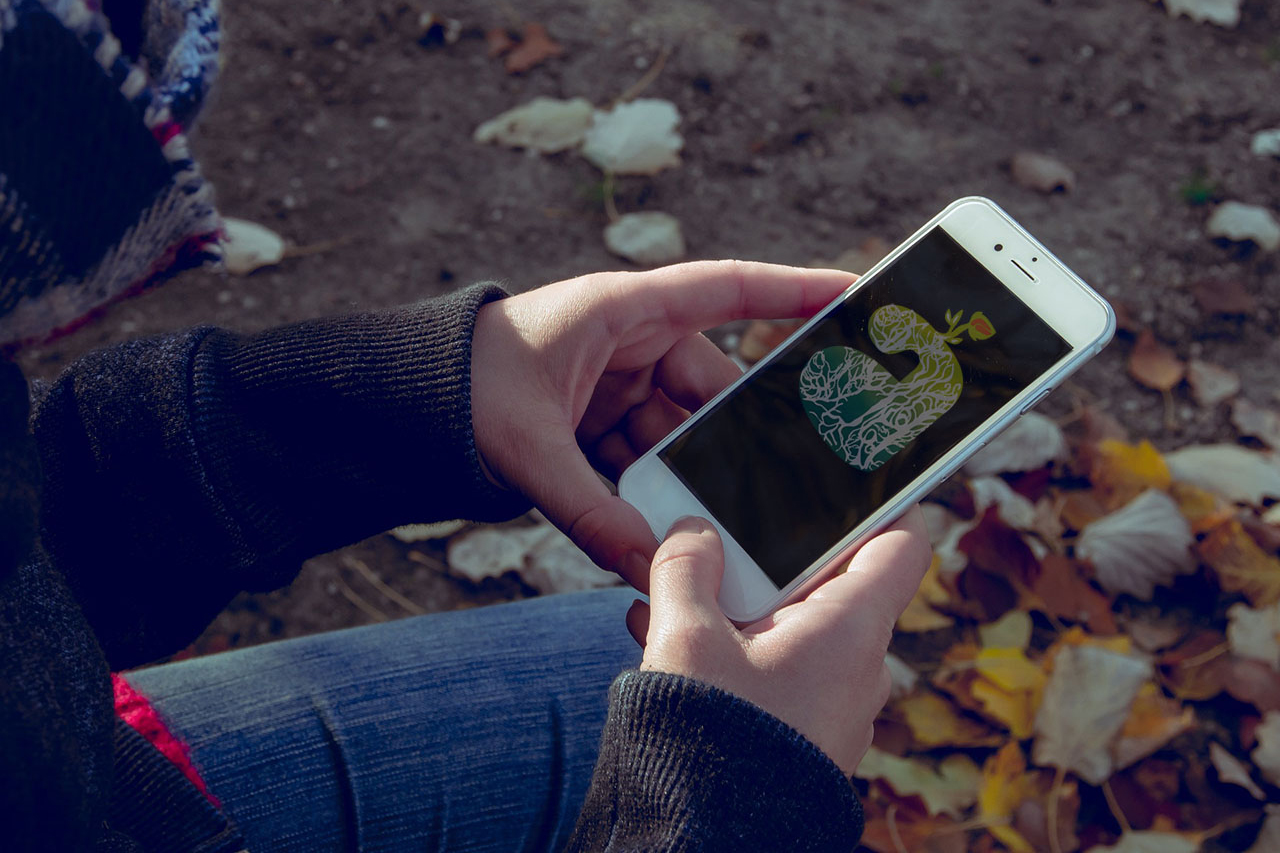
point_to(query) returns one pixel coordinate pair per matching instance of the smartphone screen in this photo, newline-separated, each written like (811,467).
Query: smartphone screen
(882,386)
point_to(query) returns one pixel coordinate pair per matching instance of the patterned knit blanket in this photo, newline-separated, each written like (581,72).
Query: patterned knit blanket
(99,196)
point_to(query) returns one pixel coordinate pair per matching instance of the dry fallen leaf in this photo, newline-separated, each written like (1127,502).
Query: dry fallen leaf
(1085,705)
(762,337)
(1267,754)
(1151,842)
(1011,631)
(1153,364)
(635,138)
(1238,222)
(1255,633)
(1144,544)
(1014,509)
(536,47)
(1252,682)
(544,124)
(935,722)
(1232,770)
(1237,473)
(1241,566)
(1010,688)
(920,614)
(545,558)
(424,532)
(1198,668)
(1031,442)
(1268,840)
(1153,721)
(950,789)
(903,676)
(1042,172)
(1063,592)
(1005,786)
(498,41)
(1255,421)
(1224,298)
(1224,13)
(1211,384)
(248,246)
(1122,471)
(650,238)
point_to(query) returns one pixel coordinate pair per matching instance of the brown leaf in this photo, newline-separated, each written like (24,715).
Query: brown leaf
(1224,297)
(1262,424)
(935,722)
(1155,365)
(535,48)
(498,41)
(1253,682)
(998,549)
(1100,425)
(1241,566)
(1125,319)
(1063,592)
(763,337)
(1211,384)
(1197,669)
(1031,820)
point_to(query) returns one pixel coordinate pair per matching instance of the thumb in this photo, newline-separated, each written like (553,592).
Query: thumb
(684,580)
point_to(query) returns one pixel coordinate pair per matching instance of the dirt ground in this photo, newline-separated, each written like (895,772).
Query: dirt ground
(810,126)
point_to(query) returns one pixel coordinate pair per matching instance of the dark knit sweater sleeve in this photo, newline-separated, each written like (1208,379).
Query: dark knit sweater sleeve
(685,766)
(180,470)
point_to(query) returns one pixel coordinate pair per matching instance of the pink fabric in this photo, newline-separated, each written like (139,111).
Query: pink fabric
(136,710)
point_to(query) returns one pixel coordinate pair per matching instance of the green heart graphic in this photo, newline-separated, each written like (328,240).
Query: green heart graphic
(865,415)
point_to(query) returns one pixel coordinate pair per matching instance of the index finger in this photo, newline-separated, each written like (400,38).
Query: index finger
(700,295)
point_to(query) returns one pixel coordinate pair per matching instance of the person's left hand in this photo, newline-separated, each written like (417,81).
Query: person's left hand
(587,374)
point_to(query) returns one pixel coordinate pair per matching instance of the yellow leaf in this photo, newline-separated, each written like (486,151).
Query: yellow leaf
(1005,785)
(1015,708)
(935,722)
(951,788)
(1153,721)
(920,615)
(1011,631)
(1010,669)
(1123,471)
(1200,506)
(1241,566)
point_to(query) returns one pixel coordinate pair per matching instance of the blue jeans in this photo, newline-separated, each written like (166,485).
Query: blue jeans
(471,730)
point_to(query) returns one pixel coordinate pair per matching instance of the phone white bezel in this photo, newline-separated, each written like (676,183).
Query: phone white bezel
(1056,294)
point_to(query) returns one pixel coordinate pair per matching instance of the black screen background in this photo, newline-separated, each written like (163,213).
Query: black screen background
(761,469)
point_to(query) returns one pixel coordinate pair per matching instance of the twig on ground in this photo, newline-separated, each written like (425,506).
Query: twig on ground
(379,584)
(634,90)
(1116,811)
(355,598)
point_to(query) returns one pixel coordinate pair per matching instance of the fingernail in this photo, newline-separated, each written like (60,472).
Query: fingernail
(689,524)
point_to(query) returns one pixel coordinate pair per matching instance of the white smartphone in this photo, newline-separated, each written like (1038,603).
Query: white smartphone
(871,403)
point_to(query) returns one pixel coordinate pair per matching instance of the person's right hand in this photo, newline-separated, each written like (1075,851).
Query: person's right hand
(818,665)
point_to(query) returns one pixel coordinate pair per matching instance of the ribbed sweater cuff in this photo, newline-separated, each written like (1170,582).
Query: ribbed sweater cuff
(686,766)
(329,431)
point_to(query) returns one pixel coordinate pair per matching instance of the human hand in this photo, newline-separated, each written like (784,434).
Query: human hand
(587,374)
(818,665)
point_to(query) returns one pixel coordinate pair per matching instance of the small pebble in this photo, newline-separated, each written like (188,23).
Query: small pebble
(381,122)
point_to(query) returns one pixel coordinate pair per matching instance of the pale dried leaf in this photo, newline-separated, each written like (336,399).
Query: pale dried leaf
(1254,633)
(1268,840)
(1224,13)
(1014,509)
(1151,842)
(1011,631)
(1042,172)
(248,246)
(1233,771)
(424,532)
(904,677)
(1144,544)
(636,138)
(1085,704)
(545,558)
(1255,421)
(650,238)
(1267,754)
(544,124)
(1031,442)
(1236,473)
(1266,143)
(945,532)
(950,789)
(1211,384)
(1239,222)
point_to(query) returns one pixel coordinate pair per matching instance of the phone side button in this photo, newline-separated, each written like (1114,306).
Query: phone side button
(1035,401)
